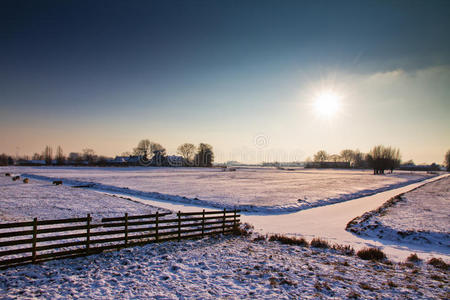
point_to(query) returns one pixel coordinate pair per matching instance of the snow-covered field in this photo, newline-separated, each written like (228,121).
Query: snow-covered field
(421,216)
(231,268)
(263,190)
(23,202)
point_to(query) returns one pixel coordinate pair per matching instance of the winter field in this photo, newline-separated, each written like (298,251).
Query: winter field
(219,268)
(259,190)
(421,216)
(23,202)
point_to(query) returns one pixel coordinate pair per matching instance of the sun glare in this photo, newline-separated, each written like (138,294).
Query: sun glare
(327,103)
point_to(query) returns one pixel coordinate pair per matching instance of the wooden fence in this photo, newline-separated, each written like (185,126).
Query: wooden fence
(42,240)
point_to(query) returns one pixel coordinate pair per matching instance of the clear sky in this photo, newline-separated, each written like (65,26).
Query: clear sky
(243,76)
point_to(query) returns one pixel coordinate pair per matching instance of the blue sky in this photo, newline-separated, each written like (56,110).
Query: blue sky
(105,74)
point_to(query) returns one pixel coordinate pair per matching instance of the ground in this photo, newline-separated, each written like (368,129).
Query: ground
(23,202)
(266,190)
(420,217)
(216,267)
(224,267)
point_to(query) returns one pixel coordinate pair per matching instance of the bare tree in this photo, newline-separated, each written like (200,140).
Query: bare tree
(187,151)
(204,156)
(358,159)
(60,158)
(321,156)
(37,156)
(347,155)
(89,155)
(48,155)
(334,158)
(447,160)
(382,158)
(147,149)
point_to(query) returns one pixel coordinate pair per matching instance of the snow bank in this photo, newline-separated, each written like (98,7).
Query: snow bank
(418,217)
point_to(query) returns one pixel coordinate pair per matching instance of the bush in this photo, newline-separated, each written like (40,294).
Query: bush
(259,238)
(319,243)
(289,240)
(344,249)
(371,254)
(438,263)
(413,258)
(243,229)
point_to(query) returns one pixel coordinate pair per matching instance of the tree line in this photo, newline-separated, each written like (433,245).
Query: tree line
(147,153)
(379,158)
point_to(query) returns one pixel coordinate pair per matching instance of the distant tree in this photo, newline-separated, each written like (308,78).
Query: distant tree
(37,156)
(204,156)
(334,158)
(60,158)
(347,155)
(3,159)
(147,149)
(143,148)
(75,157)
(409,162)
(187,151)
(125,154)
(382,158)
(10,161)
(89,155)
(321,156)
(447,160)
(358,159)
(48,155)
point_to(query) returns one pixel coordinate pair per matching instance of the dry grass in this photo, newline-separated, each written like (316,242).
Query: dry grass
(319,243)
(413,258)
(344,249)
(289,240)
(438,263)
(243,229)
(371,254)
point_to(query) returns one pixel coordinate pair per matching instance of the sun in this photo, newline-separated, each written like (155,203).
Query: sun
(327,103)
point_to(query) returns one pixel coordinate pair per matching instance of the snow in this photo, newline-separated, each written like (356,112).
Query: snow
(258,190)
(229,267)
(421,217)
(23,202)
(222,267)
(329,222)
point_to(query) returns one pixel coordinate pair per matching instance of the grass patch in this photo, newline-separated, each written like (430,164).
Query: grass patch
(288,240)
(344,249)
(243,229)
(371,254)
(438,263)
(319,243)
(413,258)
(259,237)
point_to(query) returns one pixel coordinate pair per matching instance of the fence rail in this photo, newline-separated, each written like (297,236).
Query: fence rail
(42,240)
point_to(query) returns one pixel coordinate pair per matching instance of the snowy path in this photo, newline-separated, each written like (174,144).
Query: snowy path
(329,222)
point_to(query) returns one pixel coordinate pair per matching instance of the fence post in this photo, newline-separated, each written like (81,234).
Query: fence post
(234,221)
(126,229)
(179,225)
(33,253)
(223,223)
(88,233)
(203,224)
(156,226)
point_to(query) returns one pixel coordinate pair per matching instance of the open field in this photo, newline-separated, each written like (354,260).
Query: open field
(264,190)
(421,216)
(23,202)
(232,268)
